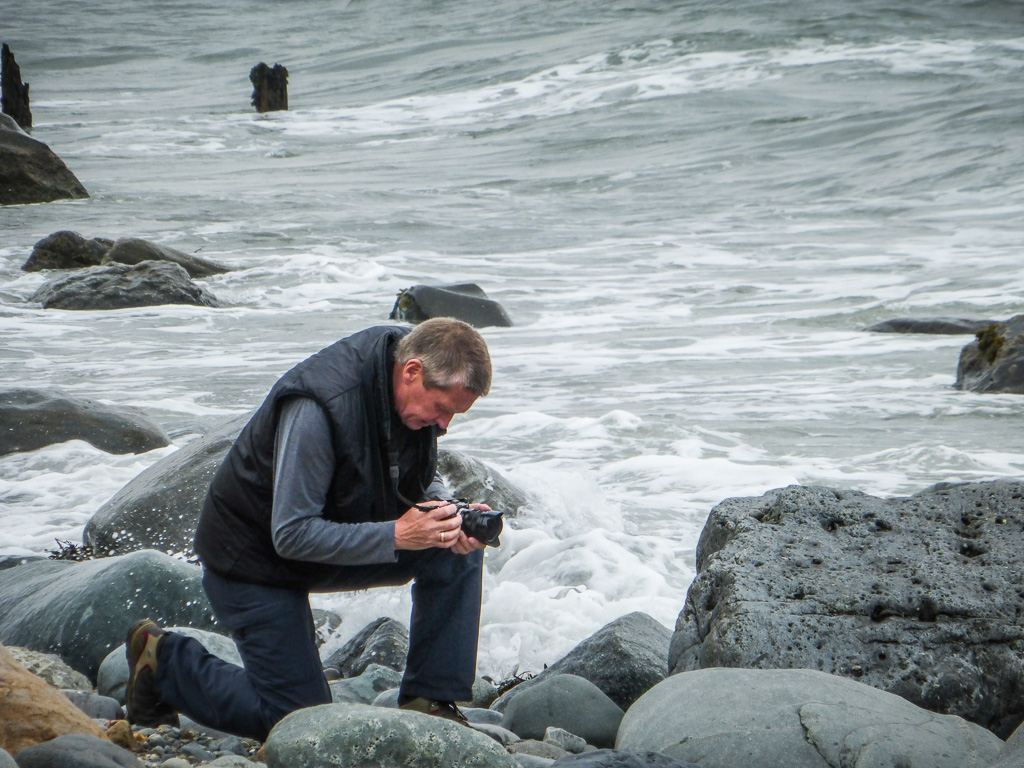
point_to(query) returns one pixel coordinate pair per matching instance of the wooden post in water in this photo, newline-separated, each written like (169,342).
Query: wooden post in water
(270,87)
(13,92)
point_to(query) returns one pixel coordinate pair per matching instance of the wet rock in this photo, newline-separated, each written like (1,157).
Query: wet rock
(367,686)
(33,710)
(384,642)
(134,251)
(32,418)
(501,735)
(530,761)
(356,734)
(933,325)
(6,761)
(479,716)
(120,286)
(81,611)
(51,668)
(231,761)
(471,479)
(76,751)
(14,100)
(625,659)
(537,749)
(562,739)
(13,561)
(465,301)
(95,706)
(30,172)
(160,507)
(568,702)
(198,753)
(67,250)
(920,596)
(798,718)
(1011,754)
(484,694)
(619,758)
(326,622)
(994,361)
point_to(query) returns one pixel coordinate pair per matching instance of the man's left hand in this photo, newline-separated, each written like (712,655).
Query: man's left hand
(467,544)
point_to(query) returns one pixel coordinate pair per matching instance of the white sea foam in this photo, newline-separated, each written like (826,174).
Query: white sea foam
(51,493)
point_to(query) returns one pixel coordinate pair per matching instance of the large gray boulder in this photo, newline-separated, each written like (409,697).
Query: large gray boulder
(1011,754)
(120,286)
(994,361)
(67,250)
(798,718)
(133,250)
(33,418)
(920,596)
(159,509)
(463,301)
(30,172)
(361,736)
(384,642)
(568,702)
(625,658)
(470,479)
(80,611)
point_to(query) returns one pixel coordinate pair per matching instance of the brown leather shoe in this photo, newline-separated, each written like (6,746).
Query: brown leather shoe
(142,703)
(445,709)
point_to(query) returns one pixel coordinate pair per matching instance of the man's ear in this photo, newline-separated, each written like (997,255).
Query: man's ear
(412,370)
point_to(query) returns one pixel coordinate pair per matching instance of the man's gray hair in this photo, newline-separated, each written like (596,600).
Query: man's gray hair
(453,353)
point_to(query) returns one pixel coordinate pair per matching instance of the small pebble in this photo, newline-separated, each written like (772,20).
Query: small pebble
(196,751)
(231,745)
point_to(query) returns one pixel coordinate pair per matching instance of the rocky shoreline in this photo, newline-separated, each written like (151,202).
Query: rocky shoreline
(825,628)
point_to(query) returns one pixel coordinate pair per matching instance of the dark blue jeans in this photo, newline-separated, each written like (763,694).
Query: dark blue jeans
(273,629)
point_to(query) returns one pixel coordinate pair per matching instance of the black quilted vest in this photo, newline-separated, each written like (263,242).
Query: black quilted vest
(351,380)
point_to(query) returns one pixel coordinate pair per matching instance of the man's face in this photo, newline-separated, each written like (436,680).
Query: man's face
(420,406)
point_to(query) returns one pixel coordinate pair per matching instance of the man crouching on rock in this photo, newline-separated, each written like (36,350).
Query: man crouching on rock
(314,496)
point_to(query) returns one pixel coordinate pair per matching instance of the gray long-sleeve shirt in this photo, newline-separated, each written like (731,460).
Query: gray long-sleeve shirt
(303,468)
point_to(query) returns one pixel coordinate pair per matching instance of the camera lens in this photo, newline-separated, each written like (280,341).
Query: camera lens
(483,525)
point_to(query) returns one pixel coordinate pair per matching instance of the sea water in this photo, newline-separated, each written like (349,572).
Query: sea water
(691,210)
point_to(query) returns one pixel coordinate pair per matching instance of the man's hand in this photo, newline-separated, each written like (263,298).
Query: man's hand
(467,544)
(438,525)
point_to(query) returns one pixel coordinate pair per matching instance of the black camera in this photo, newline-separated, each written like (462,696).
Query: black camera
(480,524)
